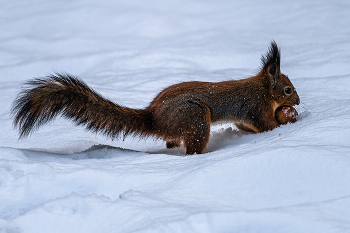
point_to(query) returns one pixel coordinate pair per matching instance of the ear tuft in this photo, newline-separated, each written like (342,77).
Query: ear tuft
(273,56)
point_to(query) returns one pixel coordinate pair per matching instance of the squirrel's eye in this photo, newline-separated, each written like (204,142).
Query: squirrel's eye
(288,90)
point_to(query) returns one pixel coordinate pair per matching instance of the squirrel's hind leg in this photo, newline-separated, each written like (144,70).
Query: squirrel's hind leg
(197,132)
(184,119)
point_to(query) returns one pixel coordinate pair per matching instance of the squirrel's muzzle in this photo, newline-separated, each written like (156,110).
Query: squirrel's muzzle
(295,101)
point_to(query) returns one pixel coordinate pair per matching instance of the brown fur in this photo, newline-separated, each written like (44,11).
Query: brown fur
(181,112)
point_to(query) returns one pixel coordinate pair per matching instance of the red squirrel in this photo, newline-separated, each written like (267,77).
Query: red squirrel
(180,113)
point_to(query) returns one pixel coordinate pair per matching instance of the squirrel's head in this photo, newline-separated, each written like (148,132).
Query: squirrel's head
(281,88)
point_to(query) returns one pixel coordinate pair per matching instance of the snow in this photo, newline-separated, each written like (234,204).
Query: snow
(63,179)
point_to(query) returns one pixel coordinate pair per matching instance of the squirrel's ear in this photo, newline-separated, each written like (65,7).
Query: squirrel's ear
(273,71)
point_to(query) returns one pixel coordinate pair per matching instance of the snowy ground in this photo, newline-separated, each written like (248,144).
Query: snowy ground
(295,178)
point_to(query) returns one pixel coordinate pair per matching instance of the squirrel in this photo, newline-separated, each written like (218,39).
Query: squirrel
(180,113)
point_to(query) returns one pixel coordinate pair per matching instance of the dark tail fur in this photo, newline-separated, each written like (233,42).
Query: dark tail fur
(45,98)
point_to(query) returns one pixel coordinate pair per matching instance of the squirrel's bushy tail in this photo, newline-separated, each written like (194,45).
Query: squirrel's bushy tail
(45,98)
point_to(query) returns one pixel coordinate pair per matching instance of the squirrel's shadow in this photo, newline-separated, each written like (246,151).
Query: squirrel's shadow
(218,139)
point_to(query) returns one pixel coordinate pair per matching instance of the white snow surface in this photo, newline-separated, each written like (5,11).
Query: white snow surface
(295,178)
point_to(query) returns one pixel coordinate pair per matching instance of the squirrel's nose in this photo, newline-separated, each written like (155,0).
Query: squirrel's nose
(296,100)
